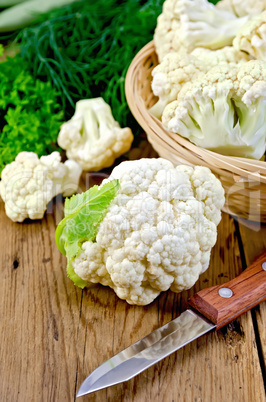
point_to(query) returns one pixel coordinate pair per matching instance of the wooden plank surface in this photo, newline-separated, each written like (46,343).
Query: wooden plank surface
(253,237)
(54,334)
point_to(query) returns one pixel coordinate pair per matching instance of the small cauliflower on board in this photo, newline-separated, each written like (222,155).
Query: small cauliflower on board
(92,137)
(28,183)
(150,227)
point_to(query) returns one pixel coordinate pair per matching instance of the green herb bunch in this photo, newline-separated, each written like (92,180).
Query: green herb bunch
(30,116)
(85,49)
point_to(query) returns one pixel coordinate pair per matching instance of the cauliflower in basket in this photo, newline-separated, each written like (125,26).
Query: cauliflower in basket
(155,229)
(177,69)
(252,37)
(223,110)
(187,24)
(242,7)
(28,183)
(170,75)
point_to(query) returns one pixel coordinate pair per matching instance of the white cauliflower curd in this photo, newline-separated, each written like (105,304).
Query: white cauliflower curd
(178,69)
(184,25)
(242,7)
(157,233)
(252,37)
(28,183)
(223,110)
(92,137)
(211,77)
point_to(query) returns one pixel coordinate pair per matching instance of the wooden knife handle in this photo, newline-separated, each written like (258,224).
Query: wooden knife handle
(222,304)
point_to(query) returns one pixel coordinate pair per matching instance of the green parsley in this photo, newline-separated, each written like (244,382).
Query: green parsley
(30,116)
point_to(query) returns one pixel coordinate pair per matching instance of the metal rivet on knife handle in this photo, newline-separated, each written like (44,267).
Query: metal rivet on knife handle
(249,289)
(225,292)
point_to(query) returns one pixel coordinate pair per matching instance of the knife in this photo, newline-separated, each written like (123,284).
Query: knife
(210,308)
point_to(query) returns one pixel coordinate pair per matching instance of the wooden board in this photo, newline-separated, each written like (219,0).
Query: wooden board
(254,240)
(54,334)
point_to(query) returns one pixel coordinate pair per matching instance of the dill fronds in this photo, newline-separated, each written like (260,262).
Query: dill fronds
(85,49)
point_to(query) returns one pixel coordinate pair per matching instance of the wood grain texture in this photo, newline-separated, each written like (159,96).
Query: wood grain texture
(248,290)
(54,334)
(253,237)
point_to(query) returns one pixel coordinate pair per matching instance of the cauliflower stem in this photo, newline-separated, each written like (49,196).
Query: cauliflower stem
(185,25)
(223,125)
(203,25)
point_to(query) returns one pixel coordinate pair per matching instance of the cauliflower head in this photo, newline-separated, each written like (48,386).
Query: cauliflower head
(224,111)
(178,69)
(252,37)
(187,24)
(157,232)
(28,183)
(92,137)
(242,7)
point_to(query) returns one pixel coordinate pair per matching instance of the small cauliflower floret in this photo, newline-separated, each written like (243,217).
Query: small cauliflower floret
(28,184)
(170,75)
(242,7)
(187,24)
(157,233)
(166,34)
(92,137)
(92,266)
(224,111)
(252,37)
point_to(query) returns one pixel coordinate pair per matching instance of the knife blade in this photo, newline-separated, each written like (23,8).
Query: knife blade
(211,308)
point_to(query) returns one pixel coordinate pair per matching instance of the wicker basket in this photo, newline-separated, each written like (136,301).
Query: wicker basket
(244,180)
